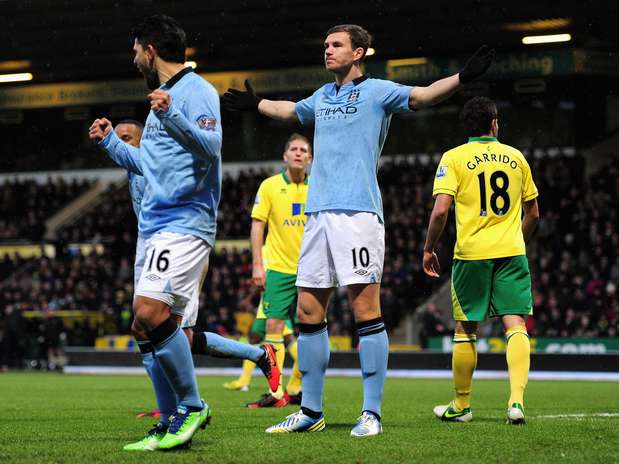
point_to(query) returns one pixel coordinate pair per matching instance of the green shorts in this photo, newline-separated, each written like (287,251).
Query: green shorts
(260,323)
(491,288)
(280,296)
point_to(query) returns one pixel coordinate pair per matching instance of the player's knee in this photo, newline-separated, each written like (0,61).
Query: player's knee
(274,326)
(466,327)
(513,320)
(138,331)
(305,315)
(149,313)
(364,311)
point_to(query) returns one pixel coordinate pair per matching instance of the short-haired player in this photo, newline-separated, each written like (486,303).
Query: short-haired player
(491,185)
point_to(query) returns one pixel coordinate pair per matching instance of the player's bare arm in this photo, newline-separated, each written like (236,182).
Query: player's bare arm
(257,241)
(476,65)
(99,129)
(423,97)
(247,100)
(530,219)
(280,110)
(438,219)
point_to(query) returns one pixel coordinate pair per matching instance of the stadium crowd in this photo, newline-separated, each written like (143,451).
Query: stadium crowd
(577,236)
(25,205)
(575,259)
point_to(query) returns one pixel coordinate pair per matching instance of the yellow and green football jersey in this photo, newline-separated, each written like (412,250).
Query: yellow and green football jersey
(489,182)
(281,204)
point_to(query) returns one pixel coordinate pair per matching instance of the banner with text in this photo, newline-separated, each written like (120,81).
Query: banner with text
(529,63)
(539,345)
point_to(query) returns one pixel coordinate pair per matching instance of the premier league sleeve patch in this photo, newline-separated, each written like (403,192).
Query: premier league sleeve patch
(441,172)
(206,123)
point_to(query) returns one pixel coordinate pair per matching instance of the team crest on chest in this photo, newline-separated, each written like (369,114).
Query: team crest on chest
(353,96)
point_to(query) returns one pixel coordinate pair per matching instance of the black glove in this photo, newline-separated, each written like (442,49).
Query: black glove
(477,64)
(239,100)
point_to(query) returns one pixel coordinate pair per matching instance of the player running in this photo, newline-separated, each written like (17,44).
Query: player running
(180,160)
(491,184)
(172,237)
(280,206)
(130,132)
(343,244)
(179,157)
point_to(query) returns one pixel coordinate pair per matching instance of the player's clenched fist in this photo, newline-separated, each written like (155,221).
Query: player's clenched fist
(159,100)
(99,129)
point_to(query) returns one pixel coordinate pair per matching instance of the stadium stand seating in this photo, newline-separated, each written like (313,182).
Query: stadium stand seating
(25,205)
(577,235)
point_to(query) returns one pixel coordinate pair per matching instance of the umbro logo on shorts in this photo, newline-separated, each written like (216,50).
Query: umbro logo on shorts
(153,277)
(361,272)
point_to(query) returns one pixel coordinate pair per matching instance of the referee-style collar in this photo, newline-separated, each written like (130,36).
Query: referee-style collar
(288,181)
(178,76)
(483,139)
(356,81)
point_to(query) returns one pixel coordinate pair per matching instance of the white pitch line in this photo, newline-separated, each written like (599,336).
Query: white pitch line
(579,416)
(391,373)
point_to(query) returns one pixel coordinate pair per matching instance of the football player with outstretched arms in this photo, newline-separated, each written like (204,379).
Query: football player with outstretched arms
(344,239)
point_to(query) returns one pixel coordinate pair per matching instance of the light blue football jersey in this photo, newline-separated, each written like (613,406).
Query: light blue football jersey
(351,124)
(180,159)
(136,190)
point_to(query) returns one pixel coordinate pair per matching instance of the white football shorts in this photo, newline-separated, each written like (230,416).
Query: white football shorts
(341,248)
(174,267)
(140,257)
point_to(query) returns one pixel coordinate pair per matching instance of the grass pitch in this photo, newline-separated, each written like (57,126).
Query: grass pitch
(87,419)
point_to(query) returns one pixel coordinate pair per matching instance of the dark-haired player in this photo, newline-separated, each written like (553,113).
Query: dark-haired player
(180,160)
(491,185)
(343,243)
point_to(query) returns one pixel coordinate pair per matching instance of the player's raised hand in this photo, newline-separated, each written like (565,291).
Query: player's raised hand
(241,100)
(258,277)
(99,129)
(431,266)
(159,100)
(477,64)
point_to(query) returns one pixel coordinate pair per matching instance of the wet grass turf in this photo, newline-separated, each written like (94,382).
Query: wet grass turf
(87,419)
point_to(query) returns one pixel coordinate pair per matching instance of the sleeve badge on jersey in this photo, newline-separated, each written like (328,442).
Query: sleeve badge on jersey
(206,123)
(441,172)
(257,200)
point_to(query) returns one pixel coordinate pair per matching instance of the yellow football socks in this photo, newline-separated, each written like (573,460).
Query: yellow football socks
(463,363)
(277,340)
(294,383)
(518,362)
(248,369)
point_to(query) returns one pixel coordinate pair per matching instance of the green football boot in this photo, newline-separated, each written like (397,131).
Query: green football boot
(183,425)
(449,413)
(150,442)
(515,414)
